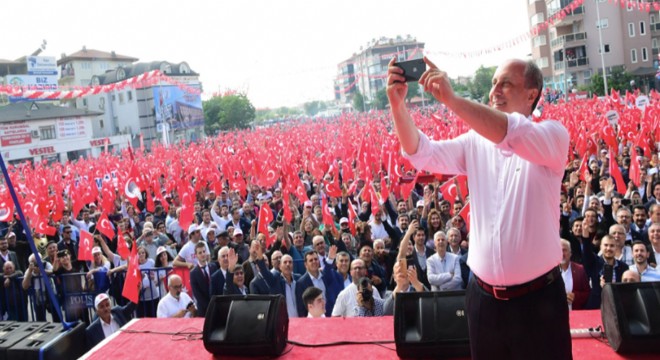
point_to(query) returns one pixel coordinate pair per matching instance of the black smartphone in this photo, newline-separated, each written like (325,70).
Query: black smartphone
(412,69)
(608,273)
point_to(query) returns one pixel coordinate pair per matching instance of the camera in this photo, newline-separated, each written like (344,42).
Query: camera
(367,294)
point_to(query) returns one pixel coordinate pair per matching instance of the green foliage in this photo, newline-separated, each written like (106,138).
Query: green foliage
(358,102)
(227,112)
(413,90)
(618,79)
(381,101)
(480,85)
(278,113)
(314,107)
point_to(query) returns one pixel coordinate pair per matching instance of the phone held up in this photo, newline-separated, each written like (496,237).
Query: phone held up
(608,273)
(412,69)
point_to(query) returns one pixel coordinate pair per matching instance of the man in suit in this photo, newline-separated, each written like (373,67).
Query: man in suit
(594,266)
(219,276)
(575,279)
(235,281)
(329,280)
(109,319)
(282,281)
(200,279)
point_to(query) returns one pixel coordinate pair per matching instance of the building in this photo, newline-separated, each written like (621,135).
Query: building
(366,71)
(41,131)
(132,111)
(568,51)
(160,113)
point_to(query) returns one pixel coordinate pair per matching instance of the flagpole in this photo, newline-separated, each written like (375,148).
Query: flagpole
(37,257)
(602,50)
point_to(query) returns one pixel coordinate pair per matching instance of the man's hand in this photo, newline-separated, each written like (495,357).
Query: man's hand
(180,313)
(332,252)
(232,258)
(436,82)
(570,297)
(376,280)
(396,84)
(260,253)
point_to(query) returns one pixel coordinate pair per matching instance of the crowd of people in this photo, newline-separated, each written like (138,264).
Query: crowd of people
(346,266)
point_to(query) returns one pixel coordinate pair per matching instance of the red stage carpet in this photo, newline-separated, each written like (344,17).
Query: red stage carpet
(313,331)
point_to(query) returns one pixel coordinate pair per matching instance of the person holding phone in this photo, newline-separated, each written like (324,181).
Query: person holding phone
(176,304)
(600,269)
(511,162)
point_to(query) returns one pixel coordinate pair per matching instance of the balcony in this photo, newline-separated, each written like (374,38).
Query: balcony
(655,28)
(572,64)
(571,17)
(569,39)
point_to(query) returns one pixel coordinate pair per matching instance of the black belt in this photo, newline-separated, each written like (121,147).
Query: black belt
(514,291)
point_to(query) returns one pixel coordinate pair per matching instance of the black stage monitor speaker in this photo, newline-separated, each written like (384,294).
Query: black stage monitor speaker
(51,342)
(246,325)
(631,316)
(15,332)
(431,325)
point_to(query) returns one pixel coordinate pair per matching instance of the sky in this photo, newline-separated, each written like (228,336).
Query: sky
(278,52)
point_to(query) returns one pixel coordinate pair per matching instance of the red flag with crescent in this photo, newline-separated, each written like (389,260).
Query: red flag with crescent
(133,276)
(85,245)
(105,227)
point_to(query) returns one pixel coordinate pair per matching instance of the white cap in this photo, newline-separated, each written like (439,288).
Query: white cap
(192,229)
(96,250)
(99,299)
(308,203)
(343,220)
(238,231)
(160,250)
(420,203)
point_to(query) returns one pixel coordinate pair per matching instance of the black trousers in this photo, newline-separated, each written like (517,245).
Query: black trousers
(533,326)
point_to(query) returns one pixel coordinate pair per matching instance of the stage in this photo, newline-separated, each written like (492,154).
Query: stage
(123,345)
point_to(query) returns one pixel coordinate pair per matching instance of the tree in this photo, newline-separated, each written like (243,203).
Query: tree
(479,86)
(314,107)
(413,90)
(227,112)
(618,79)
(381,101)
(358,102)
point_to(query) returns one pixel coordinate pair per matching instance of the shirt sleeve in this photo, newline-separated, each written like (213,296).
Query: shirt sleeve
(544,143)
(444,156)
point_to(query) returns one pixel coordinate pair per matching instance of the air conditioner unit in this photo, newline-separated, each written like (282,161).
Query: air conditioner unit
(35,134)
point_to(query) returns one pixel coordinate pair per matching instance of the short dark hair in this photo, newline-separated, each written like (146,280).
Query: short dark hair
(533,80)
(640,207)
(310,294)
(310,252)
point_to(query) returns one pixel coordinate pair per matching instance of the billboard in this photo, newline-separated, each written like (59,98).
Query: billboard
(41,65)
(177,108)
(16,133)
(31,83)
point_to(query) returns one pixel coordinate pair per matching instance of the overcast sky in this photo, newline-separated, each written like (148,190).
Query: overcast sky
(282,53)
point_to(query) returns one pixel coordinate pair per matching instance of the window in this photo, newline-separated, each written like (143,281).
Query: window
(645,54)
(652,19)
(121,98)
(101,123)
(114,98)
(85,102)
(130,95)
(539,41)
(654,43)
(537,19)
(631,29)
(642,28)
(604,23)
(606,47)
(633,55)
(587,74)
(542,62)
(47,132)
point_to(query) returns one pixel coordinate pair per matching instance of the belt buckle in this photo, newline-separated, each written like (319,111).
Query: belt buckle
(496,289)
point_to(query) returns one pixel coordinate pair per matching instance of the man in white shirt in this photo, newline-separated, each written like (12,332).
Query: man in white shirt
(187,257)
(641,265)
(176,304)
(511,162)
(442,268)
(654,238)
(347,299)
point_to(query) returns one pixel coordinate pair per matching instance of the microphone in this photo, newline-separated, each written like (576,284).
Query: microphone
(595,333)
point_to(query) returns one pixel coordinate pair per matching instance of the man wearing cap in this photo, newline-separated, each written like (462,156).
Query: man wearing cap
(186,257)
(109,319)
(241,248)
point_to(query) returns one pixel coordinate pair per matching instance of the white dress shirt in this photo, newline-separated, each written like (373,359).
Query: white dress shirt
(347,301)
(521,175)
(111,328)
(168,306)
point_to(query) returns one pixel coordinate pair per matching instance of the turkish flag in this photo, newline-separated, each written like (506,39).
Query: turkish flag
(615,172)
(449,191)
(6,207)
(351,217)
(465,214)
(332,188)
(265,218)
(288,216)
(635,173)
(85,244)
(384,191)
(406,189)
(104,226)
(44,228)
(132,187)
(122,248)
(327,216)
(133,276)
